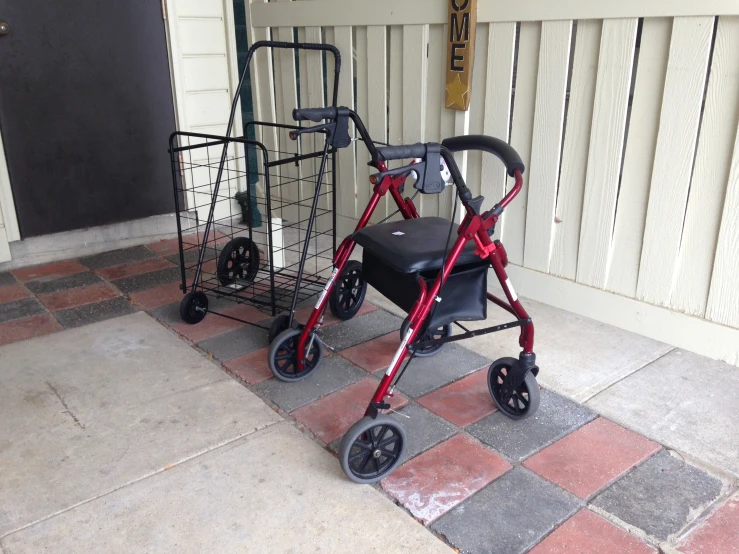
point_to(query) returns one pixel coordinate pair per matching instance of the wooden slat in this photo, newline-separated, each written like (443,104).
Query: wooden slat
(415,38)
(514,217)
(377,100)
(346,197)
(673,159)
(363,171)
(606,148)
(415,12)
(551,88)
(461,127)
(477,109)
(723,299)
(446,129)
(710,174)
(628,233)
(434,98)
(496,123)
(575,150)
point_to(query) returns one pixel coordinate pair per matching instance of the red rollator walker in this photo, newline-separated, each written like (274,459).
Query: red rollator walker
(439,280)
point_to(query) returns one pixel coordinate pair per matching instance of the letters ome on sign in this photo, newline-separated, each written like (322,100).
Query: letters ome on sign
(460,53)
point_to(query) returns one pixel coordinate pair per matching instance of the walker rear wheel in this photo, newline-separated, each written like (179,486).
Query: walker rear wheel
(372,449)
(349,291)
(438,333)
(283,356)
(521,402)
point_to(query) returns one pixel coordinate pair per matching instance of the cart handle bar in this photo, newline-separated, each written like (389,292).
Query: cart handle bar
(319,114)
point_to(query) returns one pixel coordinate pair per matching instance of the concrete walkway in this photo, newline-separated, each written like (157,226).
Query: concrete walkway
(120,437)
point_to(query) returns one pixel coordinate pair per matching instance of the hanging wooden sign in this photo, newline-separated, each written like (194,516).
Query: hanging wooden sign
(460,53)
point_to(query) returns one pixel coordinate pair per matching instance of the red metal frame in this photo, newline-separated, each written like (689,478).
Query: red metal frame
(406,208)
(474,227)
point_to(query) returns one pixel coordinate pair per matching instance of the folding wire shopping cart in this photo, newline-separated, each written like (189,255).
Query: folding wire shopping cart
(256,226)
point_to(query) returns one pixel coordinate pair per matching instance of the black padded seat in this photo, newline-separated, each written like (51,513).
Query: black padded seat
(412,245)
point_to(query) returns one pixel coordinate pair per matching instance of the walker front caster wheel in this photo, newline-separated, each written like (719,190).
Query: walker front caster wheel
(521,402)
(372,449)
(349,291)
(239,261)
(193,307)
(438,333)
(283,356)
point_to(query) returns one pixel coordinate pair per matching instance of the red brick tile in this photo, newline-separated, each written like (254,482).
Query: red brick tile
(252,368)
(211,326)
(158,296)
(9,293)
(719,534)
(463,402)
(374,355)
(49,271)
(167,247)
(331,416)
(329,318)
(134,268)
(433,483)
(590,458)
(27,328)
(585,533)
(72,298)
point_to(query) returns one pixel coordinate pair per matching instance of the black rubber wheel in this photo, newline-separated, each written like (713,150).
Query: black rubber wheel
(282,357)
(372,448)
(438,333)
(280,324)
(239,261)
(523,402)
(193,307)
(349,291)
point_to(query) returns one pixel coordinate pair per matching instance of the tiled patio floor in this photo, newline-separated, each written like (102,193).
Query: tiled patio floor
(566,480)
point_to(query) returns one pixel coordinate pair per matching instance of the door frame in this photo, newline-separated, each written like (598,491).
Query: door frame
(9,230)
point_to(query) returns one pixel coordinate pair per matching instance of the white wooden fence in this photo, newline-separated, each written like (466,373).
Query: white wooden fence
(625,114)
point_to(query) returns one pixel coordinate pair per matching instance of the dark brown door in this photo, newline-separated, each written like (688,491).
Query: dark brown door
(85,112)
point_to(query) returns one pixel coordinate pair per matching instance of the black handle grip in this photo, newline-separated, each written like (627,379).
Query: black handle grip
(314,114)
(402,152)
(495,146)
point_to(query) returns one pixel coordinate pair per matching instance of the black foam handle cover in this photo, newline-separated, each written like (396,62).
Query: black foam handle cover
(402,152)
(494,146)
(314,114)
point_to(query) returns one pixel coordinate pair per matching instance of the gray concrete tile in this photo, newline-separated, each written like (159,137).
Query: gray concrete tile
(272,491)
(6,278)
(578,356)
(236,343)
(117,257)
(93,313)
(333,374)
(360,329)
(424,429)
(661,496)
(169,313)
(89,410)
(449,364)
(555,418)
(127,285)
(25,307)
(63,283)
(509,516)
(683,400)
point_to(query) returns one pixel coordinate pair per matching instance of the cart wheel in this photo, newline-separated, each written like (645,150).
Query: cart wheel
(372,449)
(439,333)
(280,324)
(283,359)
(525,399)
(348,292)
(239,261)
(193,307)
